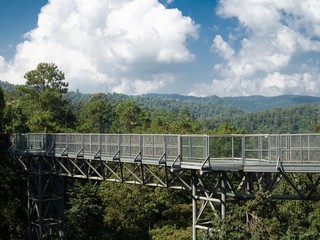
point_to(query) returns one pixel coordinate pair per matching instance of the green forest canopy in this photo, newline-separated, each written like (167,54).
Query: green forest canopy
(100,211)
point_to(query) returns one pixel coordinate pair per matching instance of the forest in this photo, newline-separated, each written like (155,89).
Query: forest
(101,210)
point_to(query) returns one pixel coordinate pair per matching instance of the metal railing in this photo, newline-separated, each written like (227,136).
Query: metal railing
(242,148)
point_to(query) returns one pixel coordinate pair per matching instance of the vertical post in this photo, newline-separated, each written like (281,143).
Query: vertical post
(194,204)
(30,187)
(223,195)
(180,146)
(165,160)
(243,149)
(232,143)
(249,183)
(45,199)
(190,148)
(40,196)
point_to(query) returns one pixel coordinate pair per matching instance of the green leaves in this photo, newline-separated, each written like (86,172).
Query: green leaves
(2,107)
(46,76)
(40,105)
(130,118)
(96,115)
(13,200)
(84,214)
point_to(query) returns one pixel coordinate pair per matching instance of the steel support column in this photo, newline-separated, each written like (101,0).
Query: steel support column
(223,194)
(194,204)
(45,199)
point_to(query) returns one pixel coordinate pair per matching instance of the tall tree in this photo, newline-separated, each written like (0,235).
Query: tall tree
(96,115)
(46,76)
(130,118)
(42,99)
(2,107)
(185,123)
(84,214)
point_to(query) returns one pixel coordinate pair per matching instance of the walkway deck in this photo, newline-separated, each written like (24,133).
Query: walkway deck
(232,152)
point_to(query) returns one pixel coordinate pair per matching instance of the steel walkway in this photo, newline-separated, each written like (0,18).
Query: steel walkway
(233,152)
(212,168)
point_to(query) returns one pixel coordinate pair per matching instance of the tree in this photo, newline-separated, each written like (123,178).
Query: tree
(13,204)
(130,118)
(16,117)
(2,107)
(161,121)
(42,100)
(84,219)
(96,115)
(46,76)
(185,123)
(131,211)
(317,127)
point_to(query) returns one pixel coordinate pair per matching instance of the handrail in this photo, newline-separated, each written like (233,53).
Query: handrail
(246,148)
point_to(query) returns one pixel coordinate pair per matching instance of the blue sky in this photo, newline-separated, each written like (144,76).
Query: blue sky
(200,48)
(17,17)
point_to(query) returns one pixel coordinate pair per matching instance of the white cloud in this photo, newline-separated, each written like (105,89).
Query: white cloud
(272,85)
(102,42)
(140,87)
(275,33)
(3,64)
(304,83)
(222,47)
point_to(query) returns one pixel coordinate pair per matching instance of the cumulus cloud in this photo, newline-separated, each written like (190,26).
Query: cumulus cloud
(137,86)
(275,34)
(271,85)
(222,47)
(2,64)
(125,45)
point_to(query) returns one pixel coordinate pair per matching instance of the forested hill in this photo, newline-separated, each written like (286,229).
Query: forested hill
(258,103)
(201,107)
(244,103)
(111,211)
(233,105)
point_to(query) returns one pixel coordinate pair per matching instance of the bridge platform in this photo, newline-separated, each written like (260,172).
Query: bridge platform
(203,165)
(233,152)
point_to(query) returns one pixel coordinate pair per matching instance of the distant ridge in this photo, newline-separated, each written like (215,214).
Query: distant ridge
(6,86)
(245,103)
(258,103)
(234,105)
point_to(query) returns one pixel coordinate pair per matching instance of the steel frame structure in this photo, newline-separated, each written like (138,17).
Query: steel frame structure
(213,169)
(45,188)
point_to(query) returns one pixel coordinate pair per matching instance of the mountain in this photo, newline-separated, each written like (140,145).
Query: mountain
(258,103)
(201,107)
(244,103)
(6,86)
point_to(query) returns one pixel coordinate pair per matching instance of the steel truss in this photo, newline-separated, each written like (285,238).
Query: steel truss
(45,197)
(210,191)
(212,185)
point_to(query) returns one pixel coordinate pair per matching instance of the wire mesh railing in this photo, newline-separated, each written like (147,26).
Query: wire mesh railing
(242,148)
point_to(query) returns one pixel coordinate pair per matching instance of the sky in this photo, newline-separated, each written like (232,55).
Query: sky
(198,48)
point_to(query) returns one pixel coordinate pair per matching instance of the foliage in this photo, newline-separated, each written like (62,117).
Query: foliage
(171,232)
(46,76)
(2,108)
(131,212)
(120,211)
(84,212)
(96,115)
(40,103)
(130,118)
(16,117)
(13,203)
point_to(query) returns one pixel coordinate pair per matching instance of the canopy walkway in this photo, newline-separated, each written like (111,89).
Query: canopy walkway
(233,152)
(201,164)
